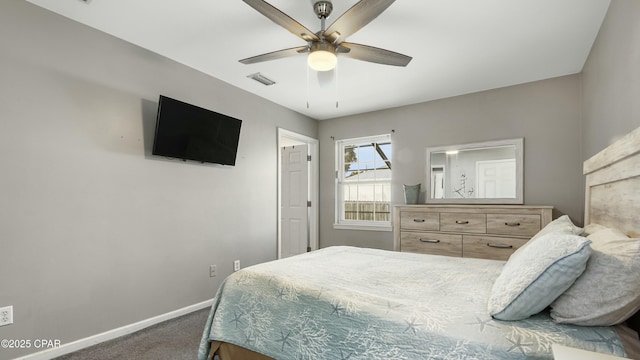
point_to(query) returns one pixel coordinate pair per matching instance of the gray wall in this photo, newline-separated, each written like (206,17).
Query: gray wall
(545,113)
(611,79)
(95,232)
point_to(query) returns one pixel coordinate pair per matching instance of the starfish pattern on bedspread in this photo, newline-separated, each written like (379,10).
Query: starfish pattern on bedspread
(482,323)
(610,340)
(518,344)
(284,339)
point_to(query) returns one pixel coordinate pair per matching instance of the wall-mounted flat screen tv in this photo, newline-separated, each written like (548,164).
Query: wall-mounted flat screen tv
(189,132)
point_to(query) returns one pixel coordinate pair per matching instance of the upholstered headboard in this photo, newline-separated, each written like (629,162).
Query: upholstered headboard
(612,195)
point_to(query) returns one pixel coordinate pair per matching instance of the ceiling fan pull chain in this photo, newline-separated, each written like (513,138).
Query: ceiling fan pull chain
(306,67)
(336,83)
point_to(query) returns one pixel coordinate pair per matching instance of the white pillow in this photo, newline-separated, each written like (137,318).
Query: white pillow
(593,228)
(561,225)
(535,277)
(608,292)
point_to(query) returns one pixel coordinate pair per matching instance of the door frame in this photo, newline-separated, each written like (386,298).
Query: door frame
(286,137)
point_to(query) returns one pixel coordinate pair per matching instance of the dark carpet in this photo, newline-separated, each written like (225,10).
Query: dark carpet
(175,339)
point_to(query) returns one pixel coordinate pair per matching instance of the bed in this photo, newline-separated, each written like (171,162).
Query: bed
(357,303)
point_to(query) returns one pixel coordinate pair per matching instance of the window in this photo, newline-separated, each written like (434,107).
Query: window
(363,183)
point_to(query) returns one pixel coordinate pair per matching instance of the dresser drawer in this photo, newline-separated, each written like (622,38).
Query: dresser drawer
(431,243)
(479,231)
(490,247)
(415,220)
(517,224)
(463,222)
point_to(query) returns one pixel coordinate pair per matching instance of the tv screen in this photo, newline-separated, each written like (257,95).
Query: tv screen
(189,132)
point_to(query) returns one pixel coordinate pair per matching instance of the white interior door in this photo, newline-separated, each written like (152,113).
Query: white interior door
(295,194)
(437,182)
(496,178)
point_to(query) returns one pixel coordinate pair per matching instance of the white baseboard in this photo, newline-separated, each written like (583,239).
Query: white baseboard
(112,334)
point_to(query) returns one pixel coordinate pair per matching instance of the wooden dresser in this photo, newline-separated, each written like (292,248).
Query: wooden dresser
(479,231)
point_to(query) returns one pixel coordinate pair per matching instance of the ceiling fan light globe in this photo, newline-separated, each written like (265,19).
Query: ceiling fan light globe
(322,60)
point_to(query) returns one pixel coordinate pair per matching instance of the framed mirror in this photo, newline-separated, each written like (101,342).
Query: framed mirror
(479,173)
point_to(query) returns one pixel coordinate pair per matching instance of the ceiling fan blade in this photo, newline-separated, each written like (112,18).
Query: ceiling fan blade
(275,55)
(355,18)
(375,55)
(282,19)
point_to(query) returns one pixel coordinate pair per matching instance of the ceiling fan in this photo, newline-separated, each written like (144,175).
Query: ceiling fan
(324,45)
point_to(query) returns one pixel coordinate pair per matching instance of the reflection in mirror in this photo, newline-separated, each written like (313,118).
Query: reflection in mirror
(489,172)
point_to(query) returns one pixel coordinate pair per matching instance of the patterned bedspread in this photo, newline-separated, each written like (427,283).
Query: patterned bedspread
(354,303)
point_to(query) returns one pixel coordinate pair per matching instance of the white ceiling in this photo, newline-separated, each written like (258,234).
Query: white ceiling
(458,46)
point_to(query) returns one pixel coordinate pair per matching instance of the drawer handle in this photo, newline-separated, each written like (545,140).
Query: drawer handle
(430,241)
(512,223)
(462,222)
(500,246)
(418,220)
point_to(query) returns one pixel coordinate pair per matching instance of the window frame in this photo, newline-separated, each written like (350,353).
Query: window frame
(340,223)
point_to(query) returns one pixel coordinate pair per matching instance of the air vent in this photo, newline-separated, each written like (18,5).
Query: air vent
(261,79)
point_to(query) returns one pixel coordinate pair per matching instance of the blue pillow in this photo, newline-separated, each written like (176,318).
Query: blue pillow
(533,278)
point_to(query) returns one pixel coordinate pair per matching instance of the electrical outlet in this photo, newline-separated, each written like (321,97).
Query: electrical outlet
(213,271)
(6,315)
(236,265)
